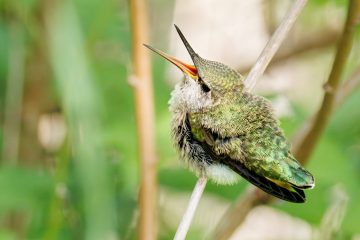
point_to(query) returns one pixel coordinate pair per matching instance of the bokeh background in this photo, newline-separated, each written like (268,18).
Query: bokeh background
(69,156)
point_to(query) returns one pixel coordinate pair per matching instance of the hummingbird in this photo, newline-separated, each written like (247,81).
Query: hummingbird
(222,131)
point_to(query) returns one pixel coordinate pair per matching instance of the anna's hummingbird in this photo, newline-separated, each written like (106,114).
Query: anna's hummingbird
(222,131)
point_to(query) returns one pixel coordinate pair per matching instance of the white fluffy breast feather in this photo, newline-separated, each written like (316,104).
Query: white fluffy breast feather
(221,174)
(189,97)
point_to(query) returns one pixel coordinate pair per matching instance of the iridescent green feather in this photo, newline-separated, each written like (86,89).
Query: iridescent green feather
(248,120)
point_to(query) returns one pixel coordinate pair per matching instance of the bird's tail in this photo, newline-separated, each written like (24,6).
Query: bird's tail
(283,191)
(300,177)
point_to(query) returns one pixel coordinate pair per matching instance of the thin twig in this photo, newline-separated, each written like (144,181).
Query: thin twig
(301,152)
(322,40)
(189,213)
(144,119)
(274,43)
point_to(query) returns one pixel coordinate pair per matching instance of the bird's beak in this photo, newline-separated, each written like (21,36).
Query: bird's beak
(186,68)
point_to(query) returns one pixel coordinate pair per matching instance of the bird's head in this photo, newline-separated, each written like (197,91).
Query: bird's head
(214,78)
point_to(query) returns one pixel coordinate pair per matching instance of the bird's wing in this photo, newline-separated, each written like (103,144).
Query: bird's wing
(287,193)
(282,191)
(267,152)
(266,161)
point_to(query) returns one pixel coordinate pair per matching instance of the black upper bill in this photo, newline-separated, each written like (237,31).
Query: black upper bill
(186,43)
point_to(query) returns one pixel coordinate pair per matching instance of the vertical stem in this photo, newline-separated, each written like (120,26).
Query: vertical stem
(191,208)
(144,119)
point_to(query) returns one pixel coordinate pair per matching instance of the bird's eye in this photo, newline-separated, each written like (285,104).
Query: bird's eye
(204,87)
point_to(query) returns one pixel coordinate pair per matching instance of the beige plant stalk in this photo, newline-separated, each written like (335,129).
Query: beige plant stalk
(143,92)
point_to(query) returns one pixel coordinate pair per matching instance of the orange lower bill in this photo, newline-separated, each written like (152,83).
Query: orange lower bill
(186,68)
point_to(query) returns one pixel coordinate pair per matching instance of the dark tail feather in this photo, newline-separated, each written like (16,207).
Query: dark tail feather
(296,196)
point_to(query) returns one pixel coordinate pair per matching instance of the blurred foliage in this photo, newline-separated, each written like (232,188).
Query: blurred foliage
(87,188)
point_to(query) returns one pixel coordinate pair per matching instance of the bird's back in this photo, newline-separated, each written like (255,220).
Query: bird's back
(261,144)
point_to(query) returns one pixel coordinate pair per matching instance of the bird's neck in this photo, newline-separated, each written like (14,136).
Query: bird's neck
(190,98)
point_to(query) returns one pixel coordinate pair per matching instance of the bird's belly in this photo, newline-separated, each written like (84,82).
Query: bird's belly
(197,159)
(222,174)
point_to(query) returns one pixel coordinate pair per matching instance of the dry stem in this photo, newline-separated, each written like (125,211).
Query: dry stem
(189,213)
(144,119)
(324,39)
